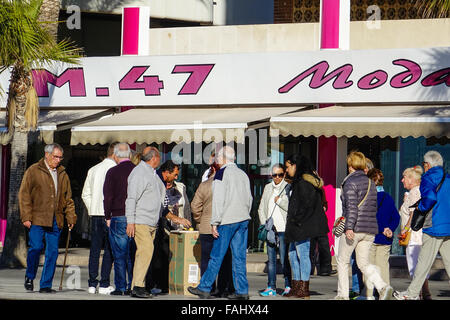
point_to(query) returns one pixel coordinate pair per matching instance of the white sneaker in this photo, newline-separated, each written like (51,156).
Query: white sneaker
(106,290)
(92,290)
(403,295)
(386,293)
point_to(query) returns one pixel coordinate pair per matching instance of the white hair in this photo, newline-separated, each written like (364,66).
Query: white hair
(50,147)
(434,158)
(122,150)
(227,153)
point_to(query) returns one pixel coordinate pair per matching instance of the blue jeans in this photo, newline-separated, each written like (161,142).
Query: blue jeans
(357,279)
(36,235)
(234,235)
(99,235)
(300,260)
(272,265)
(225,276)
(120,247)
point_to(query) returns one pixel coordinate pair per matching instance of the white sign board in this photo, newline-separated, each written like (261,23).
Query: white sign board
(362,76)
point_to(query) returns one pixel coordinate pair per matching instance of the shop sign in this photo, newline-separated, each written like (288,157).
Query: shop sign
(362,76)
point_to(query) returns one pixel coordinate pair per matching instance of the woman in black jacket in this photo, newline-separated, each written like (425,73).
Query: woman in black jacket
(305,219)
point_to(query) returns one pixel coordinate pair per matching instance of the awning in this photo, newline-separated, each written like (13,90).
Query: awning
(55,120)
(371,121)
(175,125)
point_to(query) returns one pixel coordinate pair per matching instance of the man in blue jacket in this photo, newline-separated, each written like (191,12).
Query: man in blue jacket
(436,229)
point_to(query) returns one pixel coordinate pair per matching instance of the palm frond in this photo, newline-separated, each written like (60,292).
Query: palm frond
(434,8)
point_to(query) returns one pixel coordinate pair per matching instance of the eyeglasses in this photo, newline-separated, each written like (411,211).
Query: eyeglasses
(57,157)
(279,175)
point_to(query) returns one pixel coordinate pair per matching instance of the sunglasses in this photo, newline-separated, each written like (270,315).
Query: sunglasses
(279,175)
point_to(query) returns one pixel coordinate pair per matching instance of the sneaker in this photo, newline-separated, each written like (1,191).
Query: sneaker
(92,290)
(117,293)
(268,292)
(28,284)
(353,294)
(386,293)
(286,291)
(140,292)
(364,298)
(106,290)
(403,295)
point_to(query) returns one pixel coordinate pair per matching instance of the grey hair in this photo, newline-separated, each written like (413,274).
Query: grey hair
(122,150)
(227,153)
(434,158)
(153,152)
(50,147)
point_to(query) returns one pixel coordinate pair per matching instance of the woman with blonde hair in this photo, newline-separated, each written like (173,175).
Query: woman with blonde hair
(359,208)
(411,182)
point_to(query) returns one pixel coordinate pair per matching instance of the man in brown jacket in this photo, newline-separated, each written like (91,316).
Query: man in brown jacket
(45,197)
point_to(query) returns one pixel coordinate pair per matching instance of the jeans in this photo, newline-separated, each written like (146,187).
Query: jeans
(99,235)
(272,265)
(36,235)
(225,276)
(234,235)
(120,245)
(357,279)
(300,261)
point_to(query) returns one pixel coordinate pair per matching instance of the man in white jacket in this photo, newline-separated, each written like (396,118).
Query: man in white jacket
(92,196)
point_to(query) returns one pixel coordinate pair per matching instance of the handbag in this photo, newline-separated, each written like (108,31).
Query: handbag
(418,218)
(339,224)
(262,230)
(404,239)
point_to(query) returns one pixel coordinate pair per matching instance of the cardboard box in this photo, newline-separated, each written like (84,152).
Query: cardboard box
(184,266)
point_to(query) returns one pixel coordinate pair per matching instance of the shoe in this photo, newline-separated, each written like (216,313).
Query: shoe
(386,293)
(46,290)
(28,284)
(303,292)
(364,298)
(92,290)
(107,290)
(201,294)
(327,273)
(235,296)
(286,291)
(140,292)
(353,294)
(156,291)
(269,292)
(117,293)
(403,295)
(127,292)
(294,290)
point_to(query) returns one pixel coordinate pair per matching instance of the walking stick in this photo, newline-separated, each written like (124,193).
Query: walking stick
(65,257)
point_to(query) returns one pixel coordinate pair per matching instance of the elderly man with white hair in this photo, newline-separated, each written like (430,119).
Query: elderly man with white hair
(231,206)
(434,190)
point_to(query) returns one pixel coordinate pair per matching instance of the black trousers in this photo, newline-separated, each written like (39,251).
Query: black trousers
(320,254)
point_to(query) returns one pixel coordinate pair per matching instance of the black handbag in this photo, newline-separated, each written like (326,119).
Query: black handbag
(418,218)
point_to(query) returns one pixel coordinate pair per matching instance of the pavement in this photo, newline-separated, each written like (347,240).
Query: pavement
(76,276)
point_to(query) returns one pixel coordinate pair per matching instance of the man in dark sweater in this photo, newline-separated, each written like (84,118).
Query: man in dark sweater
(114,195)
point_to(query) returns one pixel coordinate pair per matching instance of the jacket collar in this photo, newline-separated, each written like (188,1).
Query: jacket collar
(43,166)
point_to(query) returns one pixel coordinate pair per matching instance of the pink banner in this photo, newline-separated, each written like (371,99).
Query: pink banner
(330,24)
(130,29)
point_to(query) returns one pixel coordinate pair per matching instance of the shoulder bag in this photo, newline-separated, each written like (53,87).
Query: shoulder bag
(339,224)
(418,218)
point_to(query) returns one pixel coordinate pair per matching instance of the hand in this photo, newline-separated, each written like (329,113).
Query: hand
(130,230)
(387,232)
(184,222)
(276,199)
(27,224)
(70,225)
(349,234)
(214,232)
(108,223)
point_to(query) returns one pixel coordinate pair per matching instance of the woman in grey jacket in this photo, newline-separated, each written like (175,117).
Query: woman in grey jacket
(359,207)
(274,203)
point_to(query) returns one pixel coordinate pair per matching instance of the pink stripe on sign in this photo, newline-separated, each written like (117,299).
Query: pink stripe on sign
(130,31)
(330,24)
(2,231)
